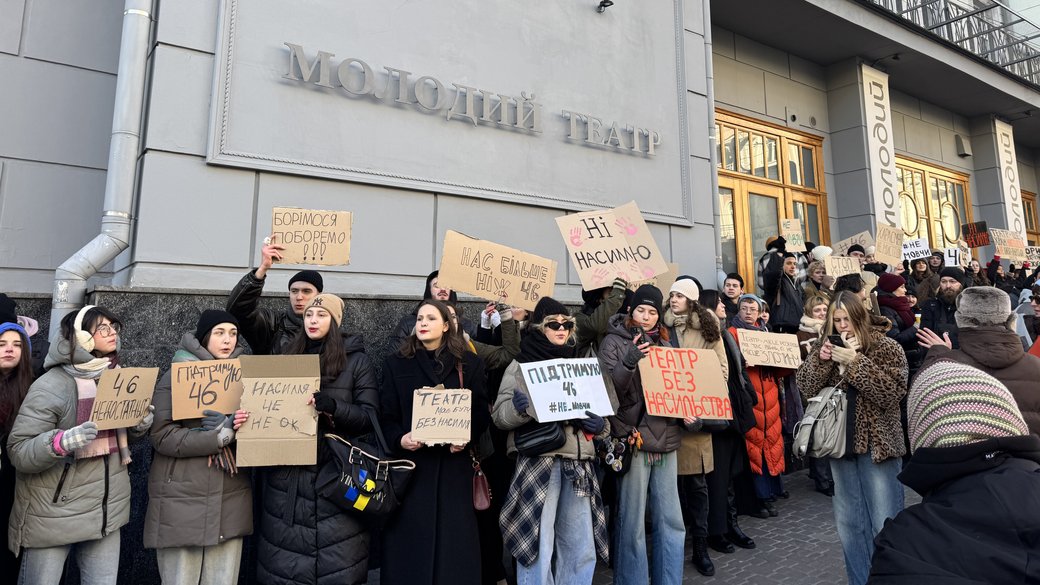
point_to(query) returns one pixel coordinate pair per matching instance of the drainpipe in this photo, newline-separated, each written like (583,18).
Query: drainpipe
(713,142)
(70,279)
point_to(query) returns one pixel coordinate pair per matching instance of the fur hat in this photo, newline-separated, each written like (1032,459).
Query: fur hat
(329,302)
(687,287)
(209,319)
(980,306)
(649,295)
(952,404)
(309,276)
(889,282)
(821,252)
(547,306)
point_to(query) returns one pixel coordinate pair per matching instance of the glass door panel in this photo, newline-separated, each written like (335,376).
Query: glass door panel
(728,230)
(764,218)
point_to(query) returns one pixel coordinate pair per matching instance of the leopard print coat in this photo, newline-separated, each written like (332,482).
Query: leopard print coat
(880,379)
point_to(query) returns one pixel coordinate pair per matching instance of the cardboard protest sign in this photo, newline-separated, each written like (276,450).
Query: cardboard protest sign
(564,389)
(889,246)
(663,281)
(495,272)
(282,428)
(1009,245)
(1033,254)
(965,252)
(840,265)
(123,397)
(914,249)
(955,257)
(975,234)
(791,230)
(205,385)
(312,236)
(863,239)
(611,243)
(760,348)
(442,416)
(684,383)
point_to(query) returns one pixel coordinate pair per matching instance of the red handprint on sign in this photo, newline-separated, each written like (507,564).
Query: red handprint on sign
(629,227)
(576,238)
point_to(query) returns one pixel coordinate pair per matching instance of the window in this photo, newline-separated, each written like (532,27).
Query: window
(934,202)
(1032,226)
(766,173)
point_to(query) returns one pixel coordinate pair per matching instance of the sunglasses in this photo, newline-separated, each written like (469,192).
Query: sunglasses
(556,325)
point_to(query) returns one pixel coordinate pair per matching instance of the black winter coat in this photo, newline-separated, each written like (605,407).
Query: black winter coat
(267,332)
(432,539)
(906,335)
(783,296)
(939,317)
(979,521)
(305,538)
(742,395)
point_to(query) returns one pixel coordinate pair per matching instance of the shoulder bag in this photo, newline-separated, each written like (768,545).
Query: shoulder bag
(821,432)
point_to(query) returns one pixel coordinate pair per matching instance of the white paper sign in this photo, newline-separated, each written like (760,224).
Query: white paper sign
(564,389)
(914,249)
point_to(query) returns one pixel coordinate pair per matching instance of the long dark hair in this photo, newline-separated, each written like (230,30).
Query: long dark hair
(90,318)
(332,358)
(453,342)
(14,386)
(709,321)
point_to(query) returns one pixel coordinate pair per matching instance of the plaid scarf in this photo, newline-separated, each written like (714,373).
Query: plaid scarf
(522,512)
(106,441)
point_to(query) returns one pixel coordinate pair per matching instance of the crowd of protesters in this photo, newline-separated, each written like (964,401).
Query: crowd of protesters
(937,363)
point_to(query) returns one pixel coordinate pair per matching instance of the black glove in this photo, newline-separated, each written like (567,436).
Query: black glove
(212,419)
(324,403)
(520,401)
(631,359)
(592,425)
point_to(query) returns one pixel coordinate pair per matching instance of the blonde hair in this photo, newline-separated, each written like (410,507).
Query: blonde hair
(812,302)
(861,320)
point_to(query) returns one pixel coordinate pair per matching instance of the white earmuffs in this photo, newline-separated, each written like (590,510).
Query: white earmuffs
(83,338)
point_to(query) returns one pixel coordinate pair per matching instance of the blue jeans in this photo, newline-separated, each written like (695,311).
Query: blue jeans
(657,486)
(98,562)
(566,528)
(865,495)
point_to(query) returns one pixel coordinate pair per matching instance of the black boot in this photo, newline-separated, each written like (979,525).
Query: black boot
(720,544)
(737,537)
(701,561)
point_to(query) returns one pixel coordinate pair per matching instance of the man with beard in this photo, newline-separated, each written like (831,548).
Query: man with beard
(938,314)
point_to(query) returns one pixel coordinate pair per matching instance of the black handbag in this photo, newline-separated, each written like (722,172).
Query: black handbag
(534,438)
(360,479)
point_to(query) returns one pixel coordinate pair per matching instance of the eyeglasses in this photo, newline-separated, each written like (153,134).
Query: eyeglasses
(556,325)
(106,329)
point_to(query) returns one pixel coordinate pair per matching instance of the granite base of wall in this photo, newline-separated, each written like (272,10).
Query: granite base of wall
(153,325)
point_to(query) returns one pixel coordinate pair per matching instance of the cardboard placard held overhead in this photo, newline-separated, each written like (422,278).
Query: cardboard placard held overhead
(611,243)
(976,234)
(442,416)
(563,389)
(663,281)
(282,428)
(914,249)
(954,257)
(840,265)
(889,246)
(1033,255)
(965,252)
(684,383)
(863,239)
(123,397)
(779,350)
(312,236)
(791,230)
(1009,245)
(205,385)
(495,272)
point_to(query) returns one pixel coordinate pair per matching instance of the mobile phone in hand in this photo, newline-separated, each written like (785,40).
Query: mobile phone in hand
(636,331)
(836,340)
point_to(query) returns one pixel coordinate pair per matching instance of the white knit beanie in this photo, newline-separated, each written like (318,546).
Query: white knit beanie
(686,288)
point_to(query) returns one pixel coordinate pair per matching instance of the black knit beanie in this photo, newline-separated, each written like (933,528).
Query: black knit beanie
(545,307)
(856,248)
(308,276)
(649,295)
(209,319)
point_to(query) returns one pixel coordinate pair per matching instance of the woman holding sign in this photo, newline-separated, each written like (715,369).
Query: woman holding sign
(304,537)
(73,490)
(652,477)
(566,508)
(433,537)
(854,354)
(199,506)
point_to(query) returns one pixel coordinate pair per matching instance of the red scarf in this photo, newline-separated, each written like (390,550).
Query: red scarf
(901,305)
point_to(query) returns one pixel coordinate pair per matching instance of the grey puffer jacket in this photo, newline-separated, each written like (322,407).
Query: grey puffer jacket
(61,500)
(660,434)
(506,417)
(191,503)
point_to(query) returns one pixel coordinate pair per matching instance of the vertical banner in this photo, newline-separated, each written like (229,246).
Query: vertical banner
(881,155)
(1008,163)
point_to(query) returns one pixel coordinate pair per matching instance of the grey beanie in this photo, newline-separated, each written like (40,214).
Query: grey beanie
(981,306)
